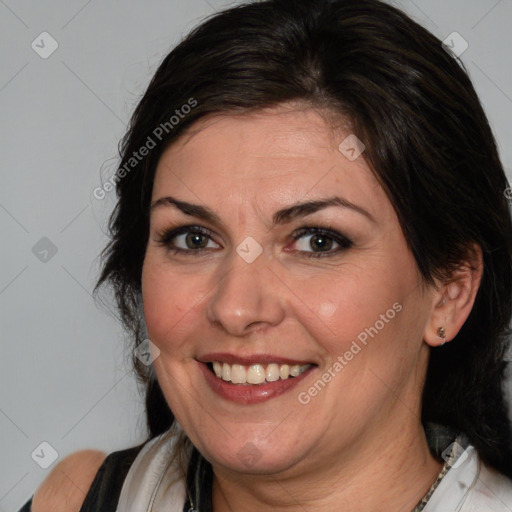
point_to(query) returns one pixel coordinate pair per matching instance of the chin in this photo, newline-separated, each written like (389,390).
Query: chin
(251,457)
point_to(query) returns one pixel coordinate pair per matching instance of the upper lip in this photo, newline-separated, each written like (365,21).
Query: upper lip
(248,360)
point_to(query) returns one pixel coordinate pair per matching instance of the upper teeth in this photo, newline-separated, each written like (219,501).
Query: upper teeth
(256,373)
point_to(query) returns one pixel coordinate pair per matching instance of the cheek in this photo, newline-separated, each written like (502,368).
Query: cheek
(364,312)
(170,302)
(338,306)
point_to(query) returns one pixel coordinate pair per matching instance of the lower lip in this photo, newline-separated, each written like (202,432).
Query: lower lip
(252,393)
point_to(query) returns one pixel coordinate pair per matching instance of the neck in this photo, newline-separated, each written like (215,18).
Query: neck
(377,476)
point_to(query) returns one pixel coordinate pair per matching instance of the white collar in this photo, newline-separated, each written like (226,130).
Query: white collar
(471,486)
(154,481)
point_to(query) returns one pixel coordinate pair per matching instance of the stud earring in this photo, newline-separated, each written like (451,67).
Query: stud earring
(441,333)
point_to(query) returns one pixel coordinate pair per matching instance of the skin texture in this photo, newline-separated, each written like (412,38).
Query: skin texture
(65,488)
(364,426)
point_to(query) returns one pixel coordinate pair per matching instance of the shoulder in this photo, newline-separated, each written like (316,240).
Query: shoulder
(65,488)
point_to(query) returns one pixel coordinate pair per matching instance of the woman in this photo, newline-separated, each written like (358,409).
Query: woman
(312,250)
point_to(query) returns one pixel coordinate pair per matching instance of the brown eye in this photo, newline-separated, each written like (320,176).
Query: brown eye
(196,240)
(320,243)
(187,239)
(314,241)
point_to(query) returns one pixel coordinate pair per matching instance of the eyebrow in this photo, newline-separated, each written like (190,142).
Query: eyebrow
(309,207)
(194,210)
(280,217)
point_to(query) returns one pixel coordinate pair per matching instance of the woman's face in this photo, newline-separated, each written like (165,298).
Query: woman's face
(273,251)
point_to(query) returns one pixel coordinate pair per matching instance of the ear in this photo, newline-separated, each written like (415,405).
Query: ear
(453,300)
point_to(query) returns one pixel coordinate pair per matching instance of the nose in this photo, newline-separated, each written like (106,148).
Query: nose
(248,298)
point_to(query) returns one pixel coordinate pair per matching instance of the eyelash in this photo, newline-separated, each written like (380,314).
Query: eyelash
(164,239)
(342,241)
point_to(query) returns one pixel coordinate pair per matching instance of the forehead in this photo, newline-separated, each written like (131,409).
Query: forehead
(272,157)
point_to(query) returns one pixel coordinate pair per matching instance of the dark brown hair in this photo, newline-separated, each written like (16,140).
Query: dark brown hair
(427,141)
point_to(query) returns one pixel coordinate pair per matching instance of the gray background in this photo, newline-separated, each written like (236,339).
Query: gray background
(64,372)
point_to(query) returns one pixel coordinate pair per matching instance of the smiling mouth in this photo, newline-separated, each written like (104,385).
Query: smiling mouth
(255,374)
